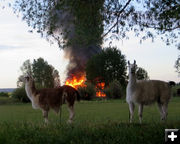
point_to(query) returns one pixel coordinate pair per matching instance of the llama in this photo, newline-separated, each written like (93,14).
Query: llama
(146,92)
(51,98)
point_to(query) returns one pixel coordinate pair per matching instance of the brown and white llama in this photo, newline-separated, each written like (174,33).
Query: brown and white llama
(146,92)
(51,98)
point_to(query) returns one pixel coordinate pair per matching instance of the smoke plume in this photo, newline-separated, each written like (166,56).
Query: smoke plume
(77,52)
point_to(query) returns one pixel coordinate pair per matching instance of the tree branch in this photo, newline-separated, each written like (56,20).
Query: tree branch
(166,29)
(118,15)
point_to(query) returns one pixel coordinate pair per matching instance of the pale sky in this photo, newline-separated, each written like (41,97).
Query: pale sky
(18,45)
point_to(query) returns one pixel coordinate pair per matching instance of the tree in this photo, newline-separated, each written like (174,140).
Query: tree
(57,82)
(4,94)
(87,92)
(114,90)
(26,69)
(65,21)
(107,66)
(177,63)
(93,20)
(20,94)
(44,74)
(79,27)
(142,74)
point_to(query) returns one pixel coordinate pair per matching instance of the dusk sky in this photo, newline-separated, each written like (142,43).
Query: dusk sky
(18,45)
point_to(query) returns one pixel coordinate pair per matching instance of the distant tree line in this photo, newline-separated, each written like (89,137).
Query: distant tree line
(4,94)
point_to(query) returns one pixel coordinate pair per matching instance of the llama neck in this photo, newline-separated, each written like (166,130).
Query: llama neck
(30,90)
(132,80)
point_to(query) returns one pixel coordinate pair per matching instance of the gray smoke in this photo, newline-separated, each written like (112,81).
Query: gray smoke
(78,54)
(78,57)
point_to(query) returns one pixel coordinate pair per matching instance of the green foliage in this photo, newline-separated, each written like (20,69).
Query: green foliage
(4,94)
(20,95)
(26,69)
(175,90)
(92,20)
(88,92)
(163,16)
(47,19)
(88,22)
(107,66)
(141,74)
(177,63)
(43,73)
(114,90)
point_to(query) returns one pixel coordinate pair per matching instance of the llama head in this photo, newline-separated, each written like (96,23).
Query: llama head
(28,79)
(132,67)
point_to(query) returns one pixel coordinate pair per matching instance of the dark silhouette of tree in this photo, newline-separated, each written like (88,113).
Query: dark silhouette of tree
(107,66)
(177,63)
(142,74)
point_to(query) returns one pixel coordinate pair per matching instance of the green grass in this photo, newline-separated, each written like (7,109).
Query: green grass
(95,122)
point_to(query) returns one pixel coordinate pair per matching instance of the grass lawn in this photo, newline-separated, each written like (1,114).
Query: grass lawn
(98,122)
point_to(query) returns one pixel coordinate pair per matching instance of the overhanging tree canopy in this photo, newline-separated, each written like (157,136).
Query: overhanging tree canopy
(92,20)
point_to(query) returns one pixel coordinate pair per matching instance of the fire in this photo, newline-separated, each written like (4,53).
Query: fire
(80,81)
(100,86)
(76,82)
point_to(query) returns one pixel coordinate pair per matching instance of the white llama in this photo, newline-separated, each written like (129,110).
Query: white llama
(146,92)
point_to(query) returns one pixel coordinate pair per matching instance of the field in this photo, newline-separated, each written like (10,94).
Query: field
(98,122)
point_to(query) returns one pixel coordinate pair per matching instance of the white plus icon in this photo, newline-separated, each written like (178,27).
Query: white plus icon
(172,136)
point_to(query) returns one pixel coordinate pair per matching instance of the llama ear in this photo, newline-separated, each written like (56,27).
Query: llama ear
(128,63)
(134,61)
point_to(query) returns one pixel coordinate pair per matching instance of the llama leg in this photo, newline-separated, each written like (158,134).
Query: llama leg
(45,115)
(161,111)
(131,110)
(140,113)
(71,114)
(164,108)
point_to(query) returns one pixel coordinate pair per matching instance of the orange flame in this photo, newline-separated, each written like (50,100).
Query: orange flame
(100,86)
(76,82)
